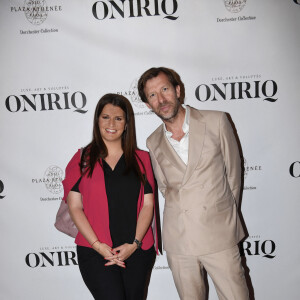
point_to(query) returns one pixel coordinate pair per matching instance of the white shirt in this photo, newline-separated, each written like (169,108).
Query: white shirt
(181,147)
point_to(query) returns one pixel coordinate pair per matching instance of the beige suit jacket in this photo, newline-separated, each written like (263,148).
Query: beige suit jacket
(201,198)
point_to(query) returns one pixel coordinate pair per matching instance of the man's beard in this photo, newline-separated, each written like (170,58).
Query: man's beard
(173,114)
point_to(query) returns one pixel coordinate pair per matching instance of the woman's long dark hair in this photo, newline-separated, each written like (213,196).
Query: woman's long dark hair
(97,150)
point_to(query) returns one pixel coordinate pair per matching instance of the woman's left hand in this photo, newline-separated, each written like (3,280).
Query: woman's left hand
(123,252)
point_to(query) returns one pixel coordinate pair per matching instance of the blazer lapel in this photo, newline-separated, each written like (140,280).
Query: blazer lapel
(169,153)
(196,141)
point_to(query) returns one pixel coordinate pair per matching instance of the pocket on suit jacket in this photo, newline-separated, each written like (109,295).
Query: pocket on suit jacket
(224,204)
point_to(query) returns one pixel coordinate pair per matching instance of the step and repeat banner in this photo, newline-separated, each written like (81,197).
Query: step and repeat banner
(59,57)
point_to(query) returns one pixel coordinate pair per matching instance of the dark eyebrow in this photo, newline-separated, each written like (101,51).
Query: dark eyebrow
(105,114)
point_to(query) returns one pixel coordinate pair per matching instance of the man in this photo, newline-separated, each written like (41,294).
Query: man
(198,170)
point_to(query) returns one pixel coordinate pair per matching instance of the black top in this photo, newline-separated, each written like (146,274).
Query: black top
(122,192)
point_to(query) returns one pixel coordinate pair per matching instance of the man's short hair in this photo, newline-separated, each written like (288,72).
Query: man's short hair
(173,77)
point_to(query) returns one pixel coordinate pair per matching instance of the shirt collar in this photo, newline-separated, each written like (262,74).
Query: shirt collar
(185,125)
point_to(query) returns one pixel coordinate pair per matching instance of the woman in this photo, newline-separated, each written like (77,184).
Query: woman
(109,190)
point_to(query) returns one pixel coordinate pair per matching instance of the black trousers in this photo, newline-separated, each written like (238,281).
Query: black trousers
(114,282)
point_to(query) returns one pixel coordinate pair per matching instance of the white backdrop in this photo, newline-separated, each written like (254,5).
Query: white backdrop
(59,57)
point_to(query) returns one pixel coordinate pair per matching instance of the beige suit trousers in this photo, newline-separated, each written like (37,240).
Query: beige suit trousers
(224,268)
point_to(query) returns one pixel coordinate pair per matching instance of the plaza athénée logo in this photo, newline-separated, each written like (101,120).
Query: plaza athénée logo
(52,180)
(235,7)
(139,107)
(36,12)
(250,168)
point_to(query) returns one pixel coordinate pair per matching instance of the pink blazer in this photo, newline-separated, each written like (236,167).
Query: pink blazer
(95,204)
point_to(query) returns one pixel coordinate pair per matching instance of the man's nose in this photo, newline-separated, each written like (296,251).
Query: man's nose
(160,98)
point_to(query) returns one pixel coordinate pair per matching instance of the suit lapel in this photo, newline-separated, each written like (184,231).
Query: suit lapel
(196,141)
(169,153)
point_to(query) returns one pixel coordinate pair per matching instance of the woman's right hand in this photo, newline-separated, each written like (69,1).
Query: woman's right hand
(79,218)
(106,251)
(102,248)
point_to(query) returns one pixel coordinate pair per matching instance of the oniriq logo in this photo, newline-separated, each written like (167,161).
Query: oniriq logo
(237,90)
(48,101)
(51,259)
(1,189)
(134,8)
(264,248)
(295,169)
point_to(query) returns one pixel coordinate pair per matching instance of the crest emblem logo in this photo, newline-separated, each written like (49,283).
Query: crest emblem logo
(235,6)
(53,179)
(35,11)
(135,98)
